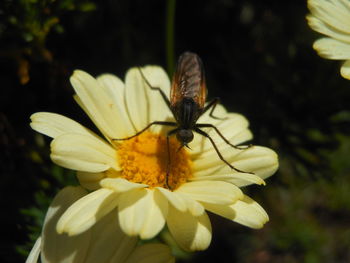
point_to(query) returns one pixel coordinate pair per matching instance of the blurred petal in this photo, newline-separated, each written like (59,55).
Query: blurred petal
(345,70)
(35,252)
(151,253)
(332,49)
(85,212)
(332,13)
(60,247)
(83,153)
(110,244)
(191,233)
(90,181)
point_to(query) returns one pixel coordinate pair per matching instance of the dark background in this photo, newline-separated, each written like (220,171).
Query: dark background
(258,58)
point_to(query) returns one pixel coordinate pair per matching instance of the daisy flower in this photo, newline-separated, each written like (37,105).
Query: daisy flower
(105,242)
(332,18)
(130,175)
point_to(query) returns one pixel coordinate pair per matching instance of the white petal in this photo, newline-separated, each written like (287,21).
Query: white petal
(216,192)
(59,247)
(233,178)
(101,108)
(191,233)
(195,208)
(345,70)
(110,244)
(120,185)
(90,181)
(175,199)
(35,252)
(151,253)
(85,212)
(332,13)
(234,128)
(261,161)
(245,212)
(136,99)
(115,90)
(332,49)
(83,153)
(142,212)
(159,111)
(54,125)
(319,26)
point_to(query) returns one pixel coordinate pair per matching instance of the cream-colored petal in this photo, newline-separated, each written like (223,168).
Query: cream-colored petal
(332,49)
(83,153)
(59,247)
(101,108)
(194,207)
(142,212)
(90,181)
(85,212)
(319,26)
(234,128)
(219,112)
(216,192)
(345,70)
(151,253)
(120,185)
(175,199)
(136,99)
(54,125)
(159,111)
(234,178)
(115,90)
(110,244)
(35,252)
(246,212)
(332,13)
(191,233)
(259,160)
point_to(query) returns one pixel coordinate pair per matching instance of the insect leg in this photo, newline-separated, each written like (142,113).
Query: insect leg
(165,123)
(212,104)
(169,157)
(209,125)
(203,133)
(165,98)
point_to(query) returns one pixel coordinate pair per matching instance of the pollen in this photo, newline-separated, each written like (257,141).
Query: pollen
(144,159)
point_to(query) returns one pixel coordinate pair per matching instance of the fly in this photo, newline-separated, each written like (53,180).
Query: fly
(187,103)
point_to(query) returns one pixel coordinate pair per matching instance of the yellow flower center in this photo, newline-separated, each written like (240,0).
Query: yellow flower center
(144,159)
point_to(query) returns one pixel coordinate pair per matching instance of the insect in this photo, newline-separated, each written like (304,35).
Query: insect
(187,103)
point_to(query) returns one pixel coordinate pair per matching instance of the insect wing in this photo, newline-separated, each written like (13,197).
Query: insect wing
(189,80)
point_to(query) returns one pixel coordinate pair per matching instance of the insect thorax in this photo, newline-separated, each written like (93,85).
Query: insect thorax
(186,113)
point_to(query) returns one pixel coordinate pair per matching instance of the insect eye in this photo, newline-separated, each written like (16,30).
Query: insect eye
(185,136)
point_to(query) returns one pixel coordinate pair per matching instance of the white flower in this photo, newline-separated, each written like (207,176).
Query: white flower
(131,174)
(105,242)
(332,18)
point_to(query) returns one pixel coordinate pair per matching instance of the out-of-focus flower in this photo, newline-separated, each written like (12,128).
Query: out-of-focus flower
(104,242)
(332,18)
(131,174)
